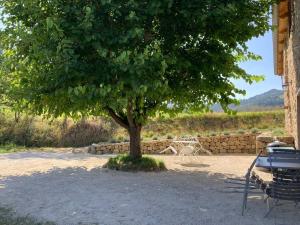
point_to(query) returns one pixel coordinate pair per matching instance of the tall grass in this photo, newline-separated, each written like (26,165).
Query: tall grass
(32,131)
(215,122)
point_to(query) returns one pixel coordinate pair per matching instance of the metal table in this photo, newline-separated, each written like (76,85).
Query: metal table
(280,157)
(264,162)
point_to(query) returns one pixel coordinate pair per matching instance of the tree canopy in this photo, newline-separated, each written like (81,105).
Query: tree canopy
(128,59)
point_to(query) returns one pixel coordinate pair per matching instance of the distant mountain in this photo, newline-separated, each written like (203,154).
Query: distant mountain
(271,99)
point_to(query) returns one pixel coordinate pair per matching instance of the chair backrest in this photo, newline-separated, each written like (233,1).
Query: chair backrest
(285,185)
(284,150)
(286,175)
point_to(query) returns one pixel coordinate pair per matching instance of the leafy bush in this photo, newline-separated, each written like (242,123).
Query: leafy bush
(170,136)
(155,138)
(10,148)
(149,134)
(241,131)
(85,133)
(254,131)
(120,138)
(226,133)
(38,132)
(127,163)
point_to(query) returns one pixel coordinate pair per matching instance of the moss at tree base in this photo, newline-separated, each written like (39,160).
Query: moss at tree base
(127,163)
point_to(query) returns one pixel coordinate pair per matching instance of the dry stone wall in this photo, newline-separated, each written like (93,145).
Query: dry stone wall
(229,143)
(262,141)
(291,74)
(149,147)
(225,144)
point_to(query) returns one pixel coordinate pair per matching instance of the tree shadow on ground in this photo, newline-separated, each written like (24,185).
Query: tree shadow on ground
(50,155)
(75,194)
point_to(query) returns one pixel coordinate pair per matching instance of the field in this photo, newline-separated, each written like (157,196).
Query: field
(28,131)
(216,123)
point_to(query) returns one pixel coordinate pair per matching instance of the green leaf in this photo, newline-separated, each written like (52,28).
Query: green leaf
(49,23)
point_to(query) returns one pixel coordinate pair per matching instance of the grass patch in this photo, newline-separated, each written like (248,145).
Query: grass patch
(241,131)
(254,131)
(8,217)
(278,132)
(196,122)
(11,148)
(127,163)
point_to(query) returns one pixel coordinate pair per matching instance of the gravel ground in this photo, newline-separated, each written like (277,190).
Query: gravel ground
(72,188)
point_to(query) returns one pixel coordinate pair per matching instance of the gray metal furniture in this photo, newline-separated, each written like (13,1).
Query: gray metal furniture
(280,158)
(285,185)
(252,178)
(284,165)
(251,183)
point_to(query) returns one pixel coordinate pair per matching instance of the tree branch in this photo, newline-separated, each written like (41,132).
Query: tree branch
(121,121)
(129,113)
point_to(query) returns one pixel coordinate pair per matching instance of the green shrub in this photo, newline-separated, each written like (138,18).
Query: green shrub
(114,141)
(226,133)
(10,148)
(127,163)
(213,134)
(85,133)
(241,131)
(278,132)
(155,138)
(170,136)
(149,134)
(254,130)
(120,138)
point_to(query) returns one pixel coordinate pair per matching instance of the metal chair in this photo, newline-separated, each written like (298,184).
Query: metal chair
(251,183)
(285,184)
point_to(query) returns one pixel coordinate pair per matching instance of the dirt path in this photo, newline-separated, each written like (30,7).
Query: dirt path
(70,188)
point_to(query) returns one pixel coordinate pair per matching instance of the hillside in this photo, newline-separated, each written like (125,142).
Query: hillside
(272,99)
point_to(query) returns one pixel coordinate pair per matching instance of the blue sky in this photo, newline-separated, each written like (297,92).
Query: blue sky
(262,46)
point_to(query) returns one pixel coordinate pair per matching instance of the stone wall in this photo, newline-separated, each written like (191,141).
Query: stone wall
(291,75)
(229,143)
(150,147)
(262,141)
(244,143)
(225,144)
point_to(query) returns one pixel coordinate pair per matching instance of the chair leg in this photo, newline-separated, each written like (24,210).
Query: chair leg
(245,198)
(264,197)
(269,206)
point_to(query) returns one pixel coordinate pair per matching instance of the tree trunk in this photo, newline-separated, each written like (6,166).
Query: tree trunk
(135,150)
(133,128)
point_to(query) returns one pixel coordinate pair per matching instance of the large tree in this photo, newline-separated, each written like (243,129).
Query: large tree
(128,59)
